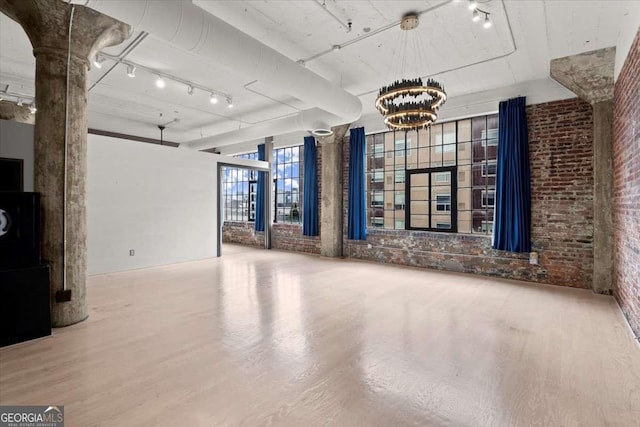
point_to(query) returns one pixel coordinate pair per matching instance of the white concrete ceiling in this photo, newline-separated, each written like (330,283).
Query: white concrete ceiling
(467,58)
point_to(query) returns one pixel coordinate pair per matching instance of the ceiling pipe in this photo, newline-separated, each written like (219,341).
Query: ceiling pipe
(303,121)
(194,30)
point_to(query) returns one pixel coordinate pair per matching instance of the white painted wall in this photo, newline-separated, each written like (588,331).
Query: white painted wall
(159,201)
(16,142)
(629,27)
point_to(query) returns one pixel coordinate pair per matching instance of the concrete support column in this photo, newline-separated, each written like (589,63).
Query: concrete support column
(602,192)
(331,211)
(590,76)
(61,144)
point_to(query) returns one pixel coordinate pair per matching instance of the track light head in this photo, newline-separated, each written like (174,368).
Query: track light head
(160,83)
(213,99)
(476,15)
(131,70)
(98,61)
(190,89)
(473,4)
(32,107)
(229,102)
(19,102)
(487,21)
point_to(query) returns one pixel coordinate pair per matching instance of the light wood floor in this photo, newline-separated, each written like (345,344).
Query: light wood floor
(273,338)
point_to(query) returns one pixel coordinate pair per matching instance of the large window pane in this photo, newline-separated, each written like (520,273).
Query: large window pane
(469,146)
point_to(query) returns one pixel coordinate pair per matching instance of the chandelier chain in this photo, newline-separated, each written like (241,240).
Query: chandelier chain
(409,104)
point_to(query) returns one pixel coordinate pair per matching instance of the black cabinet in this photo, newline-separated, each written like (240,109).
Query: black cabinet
(25,312)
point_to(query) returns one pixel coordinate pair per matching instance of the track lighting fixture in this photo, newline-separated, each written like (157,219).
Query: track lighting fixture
(19,102)
(160,83)
(477,14)
(487,21)
(160,78)
(98,61)
(131,70)
(32,107)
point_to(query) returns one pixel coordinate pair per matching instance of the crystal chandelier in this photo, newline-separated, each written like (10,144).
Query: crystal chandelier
(409,104)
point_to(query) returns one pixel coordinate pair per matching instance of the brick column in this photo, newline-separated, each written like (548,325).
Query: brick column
(61,144)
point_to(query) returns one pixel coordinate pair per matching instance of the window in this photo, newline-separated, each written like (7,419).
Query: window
(239,191)
(429,202)
(460,154)
(399,202)
(489,169)
(443,177)
(488,198)
(240,188)
(377,175)
(378,150)
(443,202)
(377,199)
(401,146)
(490,137)
(287,173)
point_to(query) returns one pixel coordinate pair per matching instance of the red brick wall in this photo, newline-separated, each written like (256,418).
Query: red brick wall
(626,187)
(561,140)
(561,156)
(242,233)
(283,236)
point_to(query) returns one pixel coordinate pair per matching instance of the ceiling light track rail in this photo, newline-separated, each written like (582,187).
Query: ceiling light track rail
(190,86)
(127,50)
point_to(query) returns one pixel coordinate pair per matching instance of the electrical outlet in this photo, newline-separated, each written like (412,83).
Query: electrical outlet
(132,252)
(369,246)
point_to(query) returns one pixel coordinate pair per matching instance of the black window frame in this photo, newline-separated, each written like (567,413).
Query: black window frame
(453,170)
